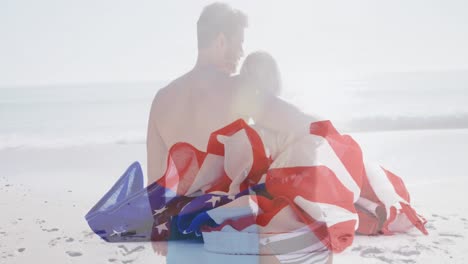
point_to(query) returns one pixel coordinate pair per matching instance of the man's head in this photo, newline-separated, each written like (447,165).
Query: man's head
(220,34)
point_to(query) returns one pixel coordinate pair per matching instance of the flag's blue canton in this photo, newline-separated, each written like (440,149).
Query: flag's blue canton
(123,213)
(130,212)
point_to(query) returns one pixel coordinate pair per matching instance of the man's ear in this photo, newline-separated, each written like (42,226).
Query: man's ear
(220,41)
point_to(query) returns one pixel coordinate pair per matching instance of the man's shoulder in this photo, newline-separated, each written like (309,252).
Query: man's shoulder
(180,88)
(171,89)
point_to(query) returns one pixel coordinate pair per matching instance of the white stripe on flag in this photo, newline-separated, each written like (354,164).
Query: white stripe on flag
(328,213)
(238,158)
(319,257)
(242,206)
(368,205)
(286,220)
(285,236)
(382,186)
(211,169)
(400,224)
(313,150)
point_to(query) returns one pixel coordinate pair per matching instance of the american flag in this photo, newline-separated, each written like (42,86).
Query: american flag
(298,200)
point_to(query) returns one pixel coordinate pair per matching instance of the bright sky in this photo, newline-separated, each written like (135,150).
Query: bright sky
(49,42)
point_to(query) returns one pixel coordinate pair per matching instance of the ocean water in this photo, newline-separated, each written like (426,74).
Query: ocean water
(57,116)
(74,115)
(389,101)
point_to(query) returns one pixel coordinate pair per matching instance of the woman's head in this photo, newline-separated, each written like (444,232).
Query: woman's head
(261,71)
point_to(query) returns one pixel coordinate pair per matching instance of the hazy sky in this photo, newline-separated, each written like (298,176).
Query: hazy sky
(43,42)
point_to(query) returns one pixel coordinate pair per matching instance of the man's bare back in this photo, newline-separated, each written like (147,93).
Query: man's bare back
(188,110)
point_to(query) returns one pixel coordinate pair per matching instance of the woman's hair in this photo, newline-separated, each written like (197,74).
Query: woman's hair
(261,71)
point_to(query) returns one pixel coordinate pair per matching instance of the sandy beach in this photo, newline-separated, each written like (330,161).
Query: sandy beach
(83,84)
(45,193)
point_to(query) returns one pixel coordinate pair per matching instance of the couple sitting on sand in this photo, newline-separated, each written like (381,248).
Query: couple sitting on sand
(289,183)
(207,98)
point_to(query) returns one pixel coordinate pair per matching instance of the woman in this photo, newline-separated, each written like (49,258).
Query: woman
(259,85)
(289,129)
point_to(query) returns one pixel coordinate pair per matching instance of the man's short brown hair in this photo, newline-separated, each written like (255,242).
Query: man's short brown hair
(219,18)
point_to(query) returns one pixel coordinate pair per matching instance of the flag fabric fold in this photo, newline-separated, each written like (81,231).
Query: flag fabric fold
(309,195)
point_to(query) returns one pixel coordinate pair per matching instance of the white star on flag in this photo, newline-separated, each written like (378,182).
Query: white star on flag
(158,211)
(116,233)
(231,197)
(161,227)
(213,200)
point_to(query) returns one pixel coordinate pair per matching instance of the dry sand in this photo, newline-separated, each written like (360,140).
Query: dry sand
(45,193)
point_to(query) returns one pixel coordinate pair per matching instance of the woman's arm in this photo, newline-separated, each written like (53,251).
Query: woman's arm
(279,115)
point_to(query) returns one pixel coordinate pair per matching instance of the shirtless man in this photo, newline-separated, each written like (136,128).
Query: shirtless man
(198,103)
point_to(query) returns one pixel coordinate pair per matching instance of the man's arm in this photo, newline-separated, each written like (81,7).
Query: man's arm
(156,149)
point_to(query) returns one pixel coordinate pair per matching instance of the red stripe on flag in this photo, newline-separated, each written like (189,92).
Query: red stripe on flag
(315,183)
(216,147)
(390,219)
(368,223)
(398,185)
(270,209)
(341,235)
(414,218)
(239,224)
(344,146)
(222,184)
(260,161)
(183,164)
